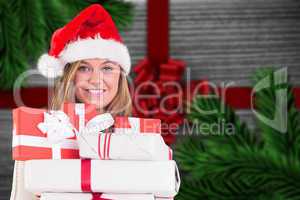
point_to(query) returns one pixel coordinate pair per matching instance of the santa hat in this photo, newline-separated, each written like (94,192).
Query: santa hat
(91,34)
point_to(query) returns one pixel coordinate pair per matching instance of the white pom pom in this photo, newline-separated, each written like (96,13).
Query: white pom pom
(50,66)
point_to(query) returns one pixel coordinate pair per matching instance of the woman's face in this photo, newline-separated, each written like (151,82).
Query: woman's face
(96,82)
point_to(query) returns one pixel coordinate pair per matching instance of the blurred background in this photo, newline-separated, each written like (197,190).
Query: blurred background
(217,40)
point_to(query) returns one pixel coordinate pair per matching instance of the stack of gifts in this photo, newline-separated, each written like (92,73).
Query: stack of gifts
(80,154)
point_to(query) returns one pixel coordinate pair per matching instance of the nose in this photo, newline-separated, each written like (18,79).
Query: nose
(97,77)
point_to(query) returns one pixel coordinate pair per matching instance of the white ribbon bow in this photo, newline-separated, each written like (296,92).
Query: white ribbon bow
(58,127)
(98,123)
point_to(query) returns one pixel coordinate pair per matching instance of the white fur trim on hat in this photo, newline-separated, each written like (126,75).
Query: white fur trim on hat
(97,48)
(85,49)
(50,66)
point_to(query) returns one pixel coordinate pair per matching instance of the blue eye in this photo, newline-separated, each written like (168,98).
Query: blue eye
(84,69)
(107,68)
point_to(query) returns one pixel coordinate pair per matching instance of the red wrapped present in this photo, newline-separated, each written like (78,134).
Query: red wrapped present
(31,139)
(31,128)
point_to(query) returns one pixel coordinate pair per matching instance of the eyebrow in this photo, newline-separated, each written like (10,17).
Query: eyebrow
(105,62)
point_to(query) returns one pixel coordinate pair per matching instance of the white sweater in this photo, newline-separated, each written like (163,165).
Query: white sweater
(18,191)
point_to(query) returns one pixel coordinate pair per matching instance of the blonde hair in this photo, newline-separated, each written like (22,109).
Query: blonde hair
(64,91)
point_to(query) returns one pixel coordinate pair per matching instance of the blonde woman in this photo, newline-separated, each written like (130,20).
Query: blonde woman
(91,63)
(96,81)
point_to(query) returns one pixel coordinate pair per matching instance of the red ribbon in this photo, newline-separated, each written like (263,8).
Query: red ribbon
(99,149)
(158,67)
(86,179)
(170,71)
(105,139)
(170,154)
(97,196)
(86,175)
(108,145)
(106,149)
(158,31)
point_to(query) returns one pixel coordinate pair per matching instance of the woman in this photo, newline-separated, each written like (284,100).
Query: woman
(92,62)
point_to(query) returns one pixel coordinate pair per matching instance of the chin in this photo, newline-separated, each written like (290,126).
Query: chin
(98,107)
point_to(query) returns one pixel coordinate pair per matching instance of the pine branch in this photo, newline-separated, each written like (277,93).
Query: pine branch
(187,151)
(120,11)
(31,26)
(242,165)
(239,134)
(242,175)
(285,144)
(224,189)
(74,6)
(12,61)
(52,19)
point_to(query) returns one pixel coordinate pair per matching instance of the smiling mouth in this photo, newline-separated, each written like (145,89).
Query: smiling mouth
(96,92)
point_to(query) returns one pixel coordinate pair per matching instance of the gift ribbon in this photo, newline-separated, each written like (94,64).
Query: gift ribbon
(97,196)
(106,149)
(86,175)
(86,179)
(36,141)
(80,111)
(58,127)
(157,67)
(86,167)
(170,71)
(99,147)
(158,31)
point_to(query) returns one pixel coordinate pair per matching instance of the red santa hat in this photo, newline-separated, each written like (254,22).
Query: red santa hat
(91,34)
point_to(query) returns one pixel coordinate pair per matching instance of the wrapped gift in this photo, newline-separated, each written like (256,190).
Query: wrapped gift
(160,178)
(32,128)
(110,146)
(42,134)
(81,114)
(95,144)
(90,196)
